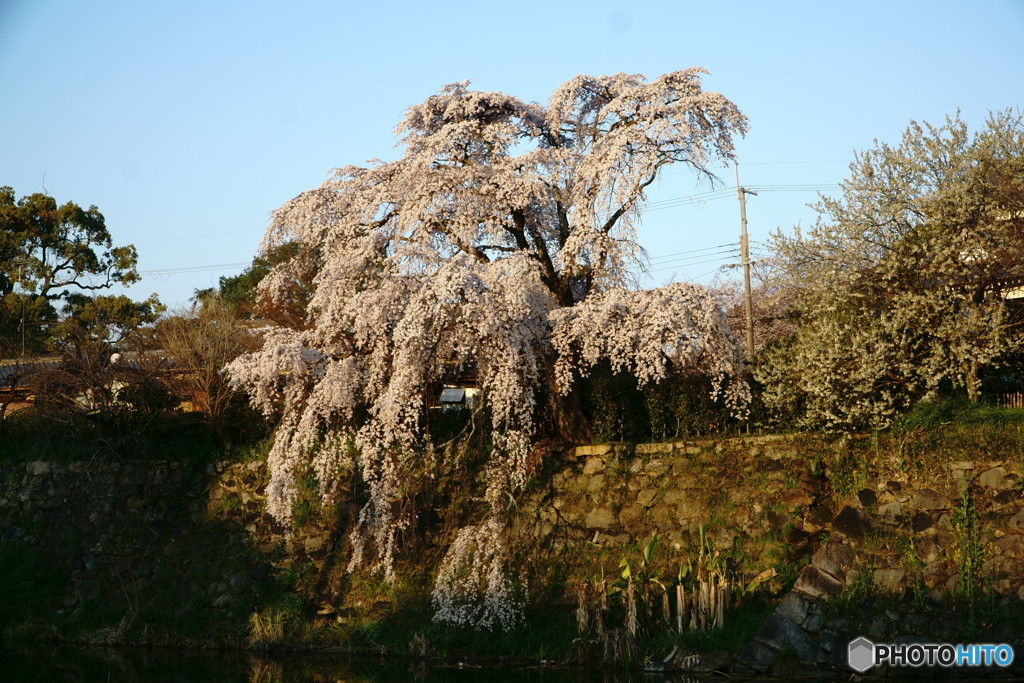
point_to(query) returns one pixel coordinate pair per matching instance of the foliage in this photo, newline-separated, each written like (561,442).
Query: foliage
(472,588)
(960,411)
(968,553)
(200,344)
(46,252)
(114,322)
(503,234)
(240,293)
(898,293)
(107,379)
(676,407)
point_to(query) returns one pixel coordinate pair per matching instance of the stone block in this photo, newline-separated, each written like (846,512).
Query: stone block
(673,497)
(612,539)
(721,538)
(691,509)
(935,574)
(816,517)
(891,513)
(921,522)
(927,550)
(646,497)
(1011,546)
(994,479)
(656,466)
(1011,498)
(814,623)
(598,449)
(810,483)
(630,517)
(781,634)
(849,523)
(794,607)
(795,498)
(879,628)
(817,584)
(664,515)
(866,497)
(600,518)
(888,581)
(38,468)
(930,499)
(778,520)
(1017,522)
(594,465)
(756,656)
(836,559)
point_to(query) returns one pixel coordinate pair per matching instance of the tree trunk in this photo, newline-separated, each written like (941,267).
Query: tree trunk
(972,381)
(568,420)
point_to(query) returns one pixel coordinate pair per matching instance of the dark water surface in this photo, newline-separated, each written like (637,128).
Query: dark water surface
(64,664)
(33,663)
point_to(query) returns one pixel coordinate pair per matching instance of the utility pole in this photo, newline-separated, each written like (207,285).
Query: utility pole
(745,257)
(21,278)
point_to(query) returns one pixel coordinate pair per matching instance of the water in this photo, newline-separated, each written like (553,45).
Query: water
(34,663)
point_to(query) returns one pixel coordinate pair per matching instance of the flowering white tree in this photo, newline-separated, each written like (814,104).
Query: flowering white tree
(502,239)
(901,288)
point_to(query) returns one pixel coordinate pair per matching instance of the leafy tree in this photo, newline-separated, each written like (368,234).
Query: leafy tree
(108,379)
(502,240)
(900,289)
(240,293)
(107,320)
(48,251)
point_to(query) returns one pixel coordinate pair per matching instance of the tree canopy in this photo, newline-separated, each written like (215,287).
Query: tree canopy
(48,252)
(502,241)
(901,288)
(240,293)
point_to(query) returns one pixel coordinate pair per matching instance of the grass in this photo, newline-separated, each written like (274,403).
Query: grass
(855,598)
(960,411)
(31,434)
(741,624)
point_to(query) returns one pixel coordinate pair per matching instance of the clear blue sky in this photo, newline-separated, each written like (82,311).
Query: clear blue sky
(187,122)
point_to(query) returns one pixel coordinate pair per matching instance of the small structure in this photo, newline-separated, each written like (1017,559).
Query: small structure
(453,397)
(18,380)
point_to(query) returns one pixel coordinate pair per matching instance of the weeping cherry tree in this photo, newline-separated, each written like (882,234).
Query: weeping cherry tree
(501,240)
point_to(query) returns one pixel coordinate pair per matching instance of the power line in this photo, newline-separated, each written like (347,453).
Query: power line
(687,265)
(706,258)
(685,200)
(192,269)
(728,245)
(796,188)
(699,198)
(795,163)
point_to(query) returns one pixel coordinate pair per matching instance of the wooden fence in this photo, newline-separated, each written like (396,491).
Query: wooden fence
(1014,400)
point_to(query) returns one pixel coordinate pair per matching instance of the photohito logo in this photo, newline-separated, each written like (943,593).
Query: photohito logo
(862,654)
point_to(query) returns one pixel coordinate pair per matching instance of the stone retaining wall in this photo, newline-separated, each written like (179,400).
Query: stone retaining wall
(829,519)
